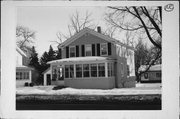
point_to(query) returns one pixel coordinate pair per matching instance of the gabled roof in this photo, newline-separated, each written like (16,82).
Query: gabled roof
(90,31)
(46,70)
(20,51)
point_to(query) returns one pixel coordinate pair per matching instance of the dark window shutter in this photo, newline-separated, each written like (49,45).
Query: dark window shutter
(82,50)
(67,52)
(109,48)
(77,51)
(98,49)
(93,50)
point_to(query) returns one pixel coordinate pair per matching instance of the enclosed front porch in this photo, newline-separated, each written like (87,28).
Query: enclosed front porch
(84,72)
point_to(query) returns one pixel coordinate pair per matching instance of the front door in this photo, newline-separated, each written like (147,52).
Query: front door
(48,77)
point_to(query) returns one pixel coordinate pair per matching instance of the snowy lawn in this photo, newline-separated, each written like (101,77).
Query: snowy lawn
(142,89)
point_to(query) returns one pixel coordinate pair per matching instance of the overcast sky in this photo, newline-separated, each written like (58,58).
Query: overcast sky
(47,21)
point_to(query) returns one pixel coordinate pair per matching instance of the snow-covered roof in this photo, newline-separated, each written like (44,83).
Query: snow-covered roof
(93,32)
(152,68)
(20,51)
(81,59)
(23,67)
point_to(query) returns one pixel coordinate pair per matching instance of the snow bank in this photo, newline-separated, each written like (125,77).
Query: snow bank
(71,91)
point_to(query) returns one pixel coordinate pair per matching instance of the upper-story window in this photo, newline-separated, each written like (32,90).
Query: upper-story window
(88,50)
(72,51)
(104,49)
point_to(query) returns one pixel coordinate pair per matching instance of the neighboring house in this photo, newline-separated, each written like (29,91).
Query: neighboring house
(93,60)
(152,75)
(23,72)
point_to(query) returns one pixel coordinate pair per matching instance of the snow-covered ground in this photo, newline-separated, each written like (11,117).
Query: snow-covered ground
(47,90)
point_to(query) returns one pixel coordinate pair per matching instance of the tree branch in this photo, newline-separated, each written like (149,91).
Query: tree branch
(147,32)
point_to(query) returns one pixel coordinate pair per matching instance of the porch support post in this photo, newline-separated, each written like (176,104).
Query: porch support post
(74,70)
(106,69)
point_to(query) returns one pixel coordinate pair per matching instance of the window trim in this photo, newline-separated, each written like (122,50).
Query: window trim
(86,50)
(70,50)
(106,49)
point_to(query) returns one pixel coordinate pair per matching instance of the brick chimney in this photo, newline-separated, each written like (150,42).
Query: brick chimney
(99,29)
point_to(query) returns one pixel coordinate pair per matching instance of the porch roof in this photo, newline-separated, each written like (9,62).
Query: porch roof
(24,67)
(81,59)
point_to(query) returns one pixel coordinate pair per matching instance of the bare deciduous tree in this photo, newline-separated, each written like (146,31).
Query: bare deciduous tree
(24,37)
(77,23)
(141,20)
(145,20)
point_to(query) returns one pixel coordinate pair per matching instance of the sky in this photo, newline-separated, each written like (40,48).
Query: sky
(47,21)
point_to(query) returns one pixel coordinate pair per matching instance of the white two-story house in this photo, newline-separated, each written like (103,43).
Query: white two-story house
(91,59)
(23,72)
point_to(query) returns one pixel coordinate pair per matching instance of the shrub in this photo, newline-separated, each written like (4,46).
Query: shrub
(59,87)
(26,84)
(31,84)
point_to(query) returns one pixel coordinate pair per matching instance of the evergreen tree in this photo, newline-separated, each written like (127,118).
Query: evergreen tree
(58,54)
(34,62)
(43,61)
(51,54)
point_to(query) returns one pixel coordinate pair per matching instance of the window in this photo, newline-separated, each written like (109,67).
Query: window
(66,71)
(122,69)
(72,51)
(69,71)
(93,70)
(110,70)
(54,74)
(128,70)
(104,49)
(146,75)
(158,75)
(22,75)
(86,70)
(101,70)
(57,73)
(78,70)
(88,50)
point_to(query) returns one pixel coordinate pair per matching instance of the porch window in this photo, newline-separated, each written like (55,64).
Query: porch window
(78,70)
(88,50)
(158,75)
(93,70)
(72,51)
(104,49)
(69,71)
(146,75)
(128,70)
(22,75)
(54,75)
(101,70)
(86,70)
(110,69)
(122,70)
